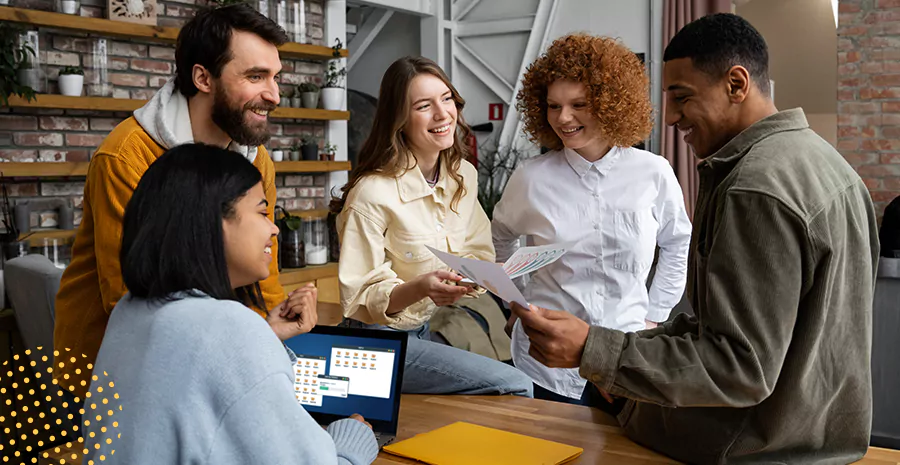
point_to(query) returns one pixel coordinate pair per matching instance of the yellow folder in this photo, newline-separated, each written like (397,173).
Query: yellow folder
(466,444)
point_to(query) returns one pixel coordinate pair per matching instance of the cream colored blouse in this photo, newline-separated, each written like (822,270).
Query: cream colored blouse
(384,228)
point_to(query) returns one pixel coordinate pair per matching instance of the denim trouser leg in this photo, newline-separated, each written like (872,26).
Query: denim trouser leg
(433,368)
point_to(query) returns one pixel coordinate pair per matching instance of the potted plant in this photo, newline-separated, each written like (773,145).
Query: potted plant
(292,253)
(277,155)
(286,93)
(310,147)
(328,152)
(69,7)
(71,81)
(295,153)
(333,90)
(12,58)
(309,94)
(296,101)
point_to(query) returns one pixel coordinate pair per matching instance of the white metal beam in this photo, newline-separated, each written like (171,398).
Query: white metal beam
(484,72)
(413,7)
(503,26)
(460,8)
(537,41)
(431,35)
(366,34)
(336,131)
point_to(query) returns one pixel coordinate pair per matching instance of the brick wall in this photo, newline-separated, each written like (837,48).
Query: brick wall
(135,69)
(869,94)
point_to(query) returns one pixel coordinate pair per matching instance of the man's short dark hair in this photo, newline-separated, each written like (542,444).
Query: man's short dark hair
(205,41)
(715,43)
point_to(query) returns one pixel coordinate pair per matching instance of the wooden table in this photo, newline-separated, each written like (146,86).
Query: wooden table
(592,430)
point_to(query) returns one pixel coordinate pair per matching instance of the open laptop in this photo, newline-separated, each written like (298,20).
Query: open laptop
(341,371)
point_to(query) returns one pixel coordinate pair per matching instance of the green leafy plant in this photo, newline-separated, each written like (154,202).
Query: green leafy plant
(288,221)
(334,76)
(286,92)
(495,165)
(308,138)
(308,87)
(71,70)
(13,57)
(329,149)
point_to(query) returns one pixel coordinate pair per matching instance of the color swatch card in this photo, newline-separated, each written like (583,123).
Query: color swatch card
(466,444)
(498,279)
(528,259)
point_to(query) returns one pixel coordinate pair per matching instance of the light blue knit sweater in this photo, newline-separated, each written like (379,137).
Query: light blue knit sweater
(204,381)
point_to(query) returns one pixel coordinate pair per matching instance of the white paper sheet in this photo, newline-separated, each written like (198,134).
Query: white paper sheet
(486,274)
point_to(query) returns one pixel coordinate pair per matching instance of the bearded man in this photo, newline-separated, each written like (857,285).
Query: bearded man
(225,85)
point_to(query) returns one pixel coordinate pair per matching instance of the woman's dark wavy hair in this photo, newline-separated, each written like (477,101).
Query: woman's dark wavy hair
(172,237)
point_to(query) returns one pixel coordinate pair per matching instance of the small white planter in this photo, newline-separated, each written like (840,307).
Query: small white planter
(71,84)
(277,155)
(69,7)
(333,98)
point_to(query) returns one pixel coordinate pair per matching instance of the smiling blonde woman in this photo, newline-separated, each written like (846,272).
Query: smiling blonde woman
(413,188)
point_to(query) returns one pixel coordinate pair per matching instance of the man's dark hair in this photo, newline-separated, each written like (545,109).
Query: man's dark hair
(172,238)
(206,39)
(717,42)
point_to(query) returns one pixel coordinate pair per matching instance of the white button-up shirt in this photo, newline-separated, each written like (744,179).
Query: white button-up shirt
(617,209)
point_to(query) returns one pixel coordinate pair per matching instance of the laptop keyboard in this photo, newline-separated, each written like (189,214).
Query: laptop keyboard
(384,439)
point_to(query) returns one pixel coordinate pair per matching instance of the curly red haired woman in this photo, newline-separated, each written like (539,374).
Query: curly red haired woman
(587,100)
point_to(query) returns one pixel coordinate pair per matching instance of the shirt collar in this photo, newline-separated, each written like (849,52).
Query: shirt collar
(736,148)
(413,186)
(582,166)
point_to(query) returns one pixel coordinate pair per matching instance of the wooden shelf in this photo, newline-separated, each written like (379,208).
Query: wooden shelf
(310,113)
(120,104)
(44,169)
(37,237)
(309,166)
(80,169)
(309,214)
(290,276)
(123,29)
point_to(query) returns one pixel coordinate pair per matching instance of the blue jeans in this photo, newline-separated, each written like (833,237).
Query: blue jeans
(433,368)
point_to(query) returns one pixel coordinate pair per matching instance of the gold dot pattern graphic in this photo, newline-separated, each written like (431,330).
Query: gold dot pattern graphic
(33,426)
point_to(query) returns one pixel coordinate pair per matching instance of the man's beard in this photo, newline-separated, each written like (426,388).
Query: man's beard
(231,120)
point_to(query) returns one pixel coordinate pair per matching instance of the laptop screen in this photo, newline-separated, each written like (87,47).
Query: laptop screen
(342,371)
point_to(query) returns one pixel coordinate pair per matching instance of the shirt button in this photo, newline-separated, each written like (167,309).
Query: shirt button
(409,255)
(599,292)
(597,226)
(596,195)
(440,226)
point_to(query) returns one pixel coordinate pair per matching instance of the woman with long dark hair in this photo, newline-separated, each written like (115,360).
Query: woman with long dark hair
(200,377)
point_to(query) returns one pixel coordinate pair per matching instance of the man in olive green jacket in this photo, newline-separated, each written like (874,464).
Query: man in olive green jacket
(774,367)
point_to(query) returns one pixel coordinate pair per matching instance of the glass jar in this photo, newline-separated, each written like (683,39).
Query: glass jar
(316,238)
(96,79)
(262,6)
(292,251)
(14,249)
(297,21)
(58,251)
(30,72)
